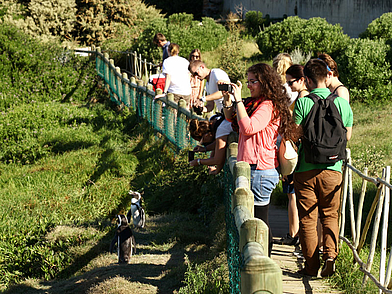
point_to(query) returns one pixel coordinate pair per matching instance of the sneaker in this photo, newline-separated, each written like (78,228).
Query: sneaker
(328,268)
(288,240)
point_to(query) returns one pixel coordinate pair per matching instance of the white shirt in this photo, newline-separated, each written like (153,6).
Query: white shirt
(177,68)
(212,85)
(223,129)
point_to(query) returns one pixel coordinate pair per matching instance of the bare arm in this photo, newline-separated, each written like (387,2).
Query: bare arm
(167,84)
(343,92)
(217,158)
(349,132)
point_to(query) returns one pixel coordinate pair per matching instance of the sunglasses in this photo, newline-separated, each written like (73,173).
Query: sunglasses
(251,82)
(195,56)
(195,73)
(290,83)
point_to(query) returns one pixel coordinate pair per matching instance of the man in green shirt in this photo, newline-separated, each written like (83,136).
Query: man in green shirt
(318,186)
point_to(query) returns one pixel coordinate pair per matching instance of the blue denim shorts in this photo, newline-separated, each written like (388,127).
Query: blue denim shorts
(262,183)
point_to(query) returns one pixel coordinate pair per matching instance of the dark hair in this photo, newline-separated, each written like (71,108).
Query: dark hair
(196,50)
(159,37)
(316,70)
(272,89)
(194,63)
(198,128)
(330,62)
(296,71)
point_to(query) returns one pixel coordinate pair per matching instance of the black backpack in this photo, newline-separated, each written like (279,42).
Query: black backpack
(324,137)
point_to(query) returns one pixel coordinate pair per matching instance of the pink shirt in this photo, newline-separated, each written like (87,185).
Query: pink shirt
(257,138)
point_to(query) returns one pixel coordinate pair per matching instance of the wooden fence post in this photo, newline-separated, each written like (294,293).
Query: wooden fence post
(260,274)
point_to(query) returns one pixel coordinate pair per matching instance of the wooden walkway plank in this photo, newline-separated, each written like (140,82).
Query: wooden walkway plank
(290,260)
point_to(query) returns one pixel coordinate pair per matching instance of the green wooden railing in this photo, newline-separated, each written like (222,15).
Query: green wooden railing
(250,268)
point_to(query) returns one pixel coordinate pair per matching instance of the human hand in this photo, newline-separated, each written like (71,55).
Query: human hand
(199,148)
(194,162)
(213,170)
(237,88)
(159,96)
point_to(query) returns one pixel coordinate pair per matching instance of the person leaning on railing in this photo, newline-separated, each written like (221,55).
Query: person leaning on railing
(212,136)
(259,119)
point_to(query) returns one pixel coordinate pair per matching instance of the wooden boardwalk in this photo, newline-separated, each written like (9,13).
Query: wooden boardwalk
(290,260)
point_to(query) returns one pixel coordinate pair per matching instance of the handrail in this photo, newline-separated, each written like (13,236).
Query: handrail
(380,206)
(250,235)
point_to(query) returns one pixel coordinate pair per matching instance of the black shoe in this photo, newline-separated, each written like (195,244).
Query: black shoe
(288,240)
(328,268)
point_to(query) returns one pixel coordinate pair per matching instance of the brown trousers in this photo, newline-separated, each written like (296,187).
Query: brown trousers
(318,193)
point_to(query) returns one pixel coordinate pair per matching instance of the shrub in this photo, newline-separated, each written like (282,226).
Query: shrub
(255,23)
(170,7)
(380,28)
(47,19)
(364,70)
(183,30)
(314,35)
(231,60)
(32,71)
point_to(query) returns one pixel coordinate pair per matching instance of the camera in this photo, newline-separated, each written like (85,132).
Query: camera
(225,87)
(191,155)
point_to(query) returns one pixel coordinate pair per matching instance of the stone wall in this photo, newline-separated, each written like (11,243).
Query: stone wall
(353,15)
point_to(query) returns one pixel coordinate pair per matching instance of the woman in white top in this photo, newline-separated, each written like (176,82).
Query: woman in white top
(175,69)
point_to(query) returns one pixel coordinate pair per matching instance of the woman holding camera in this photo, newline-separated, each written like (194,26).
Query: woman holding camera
(259,119)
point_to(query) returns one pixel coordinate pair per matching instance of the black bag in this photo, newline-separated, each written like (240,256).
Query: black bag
(324,139)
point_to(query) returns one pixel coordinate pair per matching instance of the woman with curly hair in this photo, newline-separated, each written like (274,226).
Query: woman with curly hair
(259,120)
(213,136)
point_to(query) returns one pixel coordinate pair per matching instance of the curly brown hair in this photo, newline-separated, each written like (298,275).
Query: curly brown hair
(273,89)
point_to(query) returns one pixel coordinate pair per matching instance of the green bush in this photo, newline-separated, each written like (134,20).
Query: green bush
(170,7)
(312,35)
(364,70)
(255,23)
(380,28)
(180,28)
(32,71)
(89,22)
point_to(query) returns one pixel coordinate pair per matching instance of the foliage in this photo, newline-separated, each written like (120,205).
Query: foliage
(32,71)
(46,19)
(183,30)
(170,7)
(380,28)
(205,278)
(299,57)
(364,70)
(85,21)
(231,58)
(255,23)
(312,35)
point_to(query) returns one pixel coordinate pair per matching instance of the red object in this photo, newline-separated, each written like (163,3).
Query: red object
(157,81)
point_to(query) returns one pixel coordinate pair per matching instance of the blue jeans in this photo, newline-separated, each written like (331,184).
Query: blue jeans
(262,183)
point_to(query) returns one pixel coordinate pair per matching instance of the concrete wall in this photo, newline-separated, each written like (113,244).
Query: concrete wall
(353,15)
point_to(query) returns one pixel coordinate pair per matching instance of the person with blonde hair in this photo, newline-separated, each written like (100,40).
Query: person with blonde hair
(333,82)
(177,76)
